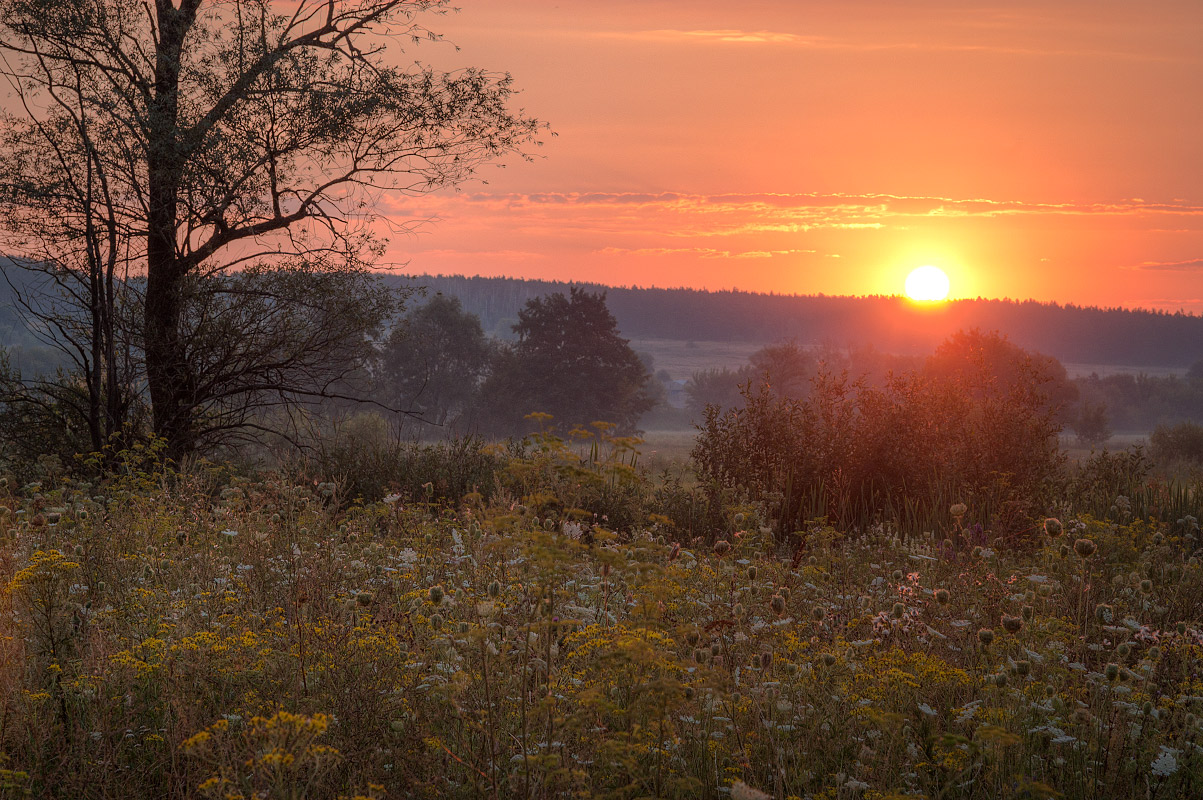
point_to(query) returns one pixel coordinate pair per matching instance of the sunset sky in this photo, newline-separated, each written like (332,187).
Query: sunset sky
(1047,149)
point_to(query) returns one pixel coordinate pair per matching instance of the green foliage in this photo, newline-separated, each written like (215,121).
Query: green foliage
(569,362)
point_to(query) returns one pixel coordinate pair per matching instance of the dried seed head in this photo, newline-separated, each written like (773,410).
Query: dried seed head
(364,598)
(829,659)
(958,510)
(494,589)
(1053,526)
(1028,612)
(898,611)
(943,597)
(985,636)
(752,573)
(777,603)
(435,594)
(722,547)
(1146,586)
(436,621)
(1111,671)
(1012,624)
(1085,547)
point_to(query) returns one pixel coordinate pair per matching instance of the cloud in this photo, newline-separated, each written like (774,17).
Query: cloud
(809,210)
(1189,265)
(702,252)
(723,36)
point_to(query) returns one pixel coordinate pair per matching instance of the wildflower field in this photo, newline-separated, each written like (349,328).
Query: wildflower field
(207,635)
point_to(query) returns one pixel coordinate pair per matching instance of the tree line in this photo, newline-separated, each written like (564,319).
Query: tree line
(1073,334)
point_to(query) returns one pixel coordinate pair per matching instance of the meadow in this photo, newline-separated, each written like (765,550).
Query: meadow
(210,633)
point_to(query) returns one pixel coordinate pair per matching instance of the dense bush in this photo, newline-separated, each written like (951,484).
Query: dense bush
(1177,443)
(963,429)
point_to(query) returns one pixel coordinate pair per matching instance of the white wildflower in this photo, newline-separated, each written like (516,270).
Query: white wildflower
(1166,763)
(742,791)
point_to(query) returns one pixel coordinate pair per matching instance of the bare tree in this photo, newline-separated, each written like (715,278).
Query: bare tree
(225,135)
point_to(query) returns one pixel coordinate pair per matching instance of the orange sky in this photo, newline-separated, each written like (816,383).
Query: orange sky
(1048,149)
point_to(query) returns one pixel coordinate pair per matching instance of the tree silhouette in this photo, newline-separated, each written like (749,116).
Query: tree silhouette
(570,362)
(181,139)
(433,362)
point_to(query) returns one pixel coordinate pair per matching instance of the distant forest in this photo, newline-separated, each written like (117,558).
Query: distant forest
(1075,334)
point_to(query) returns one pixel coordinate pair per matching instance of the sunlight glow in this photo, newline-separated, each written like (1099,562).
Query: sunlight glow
(927,284)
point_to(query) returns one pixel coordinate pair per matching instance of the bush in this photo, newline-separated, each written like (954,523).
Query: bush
(1183,442)
(370,466)
(902,453)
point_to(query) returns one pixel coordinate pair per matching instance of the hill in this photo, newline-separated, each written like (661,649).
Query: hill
(1082,335)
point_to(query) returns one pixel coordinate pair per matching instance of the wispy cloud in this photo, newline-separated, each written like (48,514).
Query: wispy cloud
(722,36)
(862,206)
(736,36)
(1189,265)
(702,252)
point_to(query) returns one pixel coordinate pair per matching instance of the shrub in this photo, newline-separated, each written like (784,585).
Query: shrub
(1177,443)
(903,452)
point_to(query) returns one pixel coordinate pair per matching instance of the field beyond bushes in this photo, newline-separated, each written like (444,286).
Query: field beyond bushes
(174,636)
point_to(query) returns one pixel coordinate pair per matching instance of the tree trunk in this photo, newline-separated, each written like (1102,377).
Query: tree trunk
(166,364)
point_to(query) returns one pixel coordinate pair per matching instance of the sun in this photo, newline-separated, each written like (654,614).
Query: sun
(927,284)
